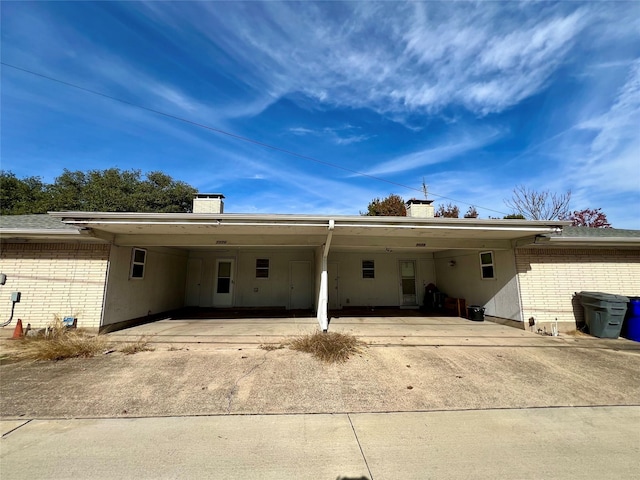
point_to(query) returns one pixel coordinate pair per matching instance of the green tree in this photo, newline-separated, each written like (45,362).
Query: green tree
(21,196)
(110,190)
(392,206)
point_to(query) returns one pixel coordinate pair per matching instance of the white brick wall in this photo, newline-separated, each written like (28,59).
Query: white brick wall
(54,279)
(549,277)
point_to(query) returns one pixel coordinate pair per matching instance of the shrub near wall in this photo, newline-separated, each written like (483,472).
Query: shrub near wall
(64,279)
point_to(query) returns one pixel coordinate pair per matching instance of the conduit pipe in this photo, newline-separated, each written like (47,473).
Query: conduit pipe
(323,296)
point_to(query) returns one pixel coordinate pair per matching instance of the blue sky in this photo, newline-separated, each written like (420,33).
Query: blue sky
(475,98)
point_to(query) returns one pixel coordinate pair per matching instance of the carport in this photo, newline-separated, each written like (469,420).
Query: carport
(302,262)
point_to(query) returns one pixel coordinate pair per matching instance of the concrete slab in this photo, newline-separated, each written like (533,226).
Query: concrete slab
(559,443)
(7,426)
(576,443)
(389,331)
(265,447)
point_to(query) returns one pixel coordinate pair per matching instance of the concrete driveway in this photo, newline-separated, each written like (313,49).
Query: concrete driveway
(204,367)
(390,331)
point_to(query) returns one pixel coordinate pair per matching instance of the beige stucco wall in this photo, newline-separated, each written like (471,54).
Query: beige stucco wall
(161,289)
(250,291)
(384,289)
(63,279)
(499,296)
(549,278)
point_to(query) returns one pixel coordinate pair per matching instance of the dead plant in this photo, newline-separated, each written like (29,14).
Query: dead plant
(330,347)
(269,347)
(140,345)
(58,342)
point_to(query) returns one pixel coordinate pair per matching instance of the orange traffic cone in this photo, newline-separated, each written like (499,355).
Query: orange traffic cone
(18,332)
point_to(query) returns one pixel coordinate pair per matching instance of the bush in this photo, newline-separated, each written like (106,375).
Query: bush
(330,347)
(59,342)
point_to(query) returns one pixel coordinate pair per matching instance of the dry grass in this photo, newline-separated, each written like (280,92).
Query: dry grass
(576,333)
(140,345)
(58,342)
(269,347)
(330,347)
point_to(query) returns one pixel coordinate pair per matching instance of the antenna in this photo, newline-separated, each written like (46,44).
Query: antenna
(424,189)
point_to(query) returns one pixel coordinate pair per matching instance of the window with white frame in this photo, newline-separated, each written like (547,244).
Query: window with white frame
(368,269)
(138,260)
(487,268)
(262,268)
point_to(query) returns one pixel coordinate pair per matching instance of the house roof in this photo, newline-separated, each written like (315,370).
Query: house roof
(43,226)
(33,222)
(586,236)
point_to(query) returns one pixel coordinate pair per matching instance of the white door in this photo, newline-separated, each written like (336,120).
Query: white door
(334,296)
(408,283)
(194,278)
(223,289)
(300,293)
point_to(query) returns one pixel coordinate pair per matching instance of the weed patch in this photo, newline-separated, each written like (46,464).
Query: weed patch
(330,347)
(269,347)
(140,345)
(68,345)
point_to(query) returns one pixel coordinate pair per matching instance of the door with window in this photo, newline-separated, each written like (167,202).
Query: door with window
(223,289)
(408,283)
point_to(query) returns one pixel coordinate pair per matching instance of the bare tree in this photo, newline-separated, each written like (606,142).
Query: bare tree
(543,205)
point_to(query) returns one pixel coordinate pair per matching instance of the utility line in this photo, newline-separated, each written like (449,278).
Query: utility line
(238,137)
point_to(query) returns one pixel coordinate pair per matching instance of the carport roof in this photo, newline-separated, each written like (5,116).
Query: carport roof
(262,230)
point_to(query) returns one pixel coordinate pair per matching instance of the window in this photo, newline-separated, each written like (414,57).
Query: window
(368,269)
(138,259)
(486,266)
(262,268)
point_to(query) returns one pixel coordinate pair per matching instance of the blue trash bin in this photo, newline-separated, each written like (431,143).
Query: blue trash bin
(631,325)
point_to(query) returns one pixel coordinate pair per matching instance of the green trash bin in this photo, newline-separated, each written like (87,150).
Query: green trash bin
(604,313)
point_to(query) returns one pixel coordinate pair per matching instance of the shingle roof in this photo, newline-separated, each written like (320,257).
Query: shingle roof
(587,232)
(33,222)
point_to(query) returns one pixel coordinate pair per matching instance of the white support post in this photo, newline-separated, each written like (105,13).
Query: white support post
(323,297)
(323,300)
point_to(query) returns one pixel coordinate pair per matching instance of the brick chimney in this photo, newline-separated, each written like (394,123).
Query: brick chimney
(208,203)
(420,208)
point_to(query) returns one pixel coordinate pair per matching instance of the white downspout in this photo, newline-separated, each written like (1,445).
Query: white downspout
(323,297)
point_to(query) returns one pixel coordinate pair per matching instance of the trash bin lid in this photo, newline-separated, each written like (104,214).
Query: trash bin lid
(606,297)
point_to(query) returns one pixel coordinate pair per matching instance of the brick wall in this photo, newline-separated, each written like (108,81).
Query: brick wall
(549,277)
(54,279)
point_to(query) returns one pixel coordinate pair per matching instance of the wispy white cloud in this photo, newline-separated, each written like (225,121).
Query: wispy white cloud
(344,135)
(445,150)
(394,57)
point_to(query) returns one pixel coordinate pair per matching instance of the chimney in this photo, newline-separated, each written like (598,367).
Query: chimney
(420,208)
(208,203)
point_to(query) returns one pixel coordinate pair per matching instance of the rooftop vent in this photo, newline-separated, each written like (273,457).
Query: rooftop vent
(208,203)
